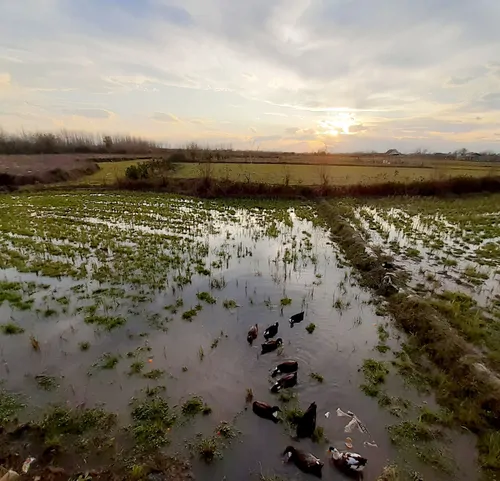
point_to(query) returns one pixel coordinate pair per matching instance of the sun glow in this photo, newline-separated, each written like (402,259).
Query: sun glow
(338,125)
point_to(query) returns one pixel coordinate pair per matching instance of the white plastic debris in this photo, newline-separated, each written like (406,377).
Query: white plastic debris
(371,445)
(354,423)
(27,464)
(327,415)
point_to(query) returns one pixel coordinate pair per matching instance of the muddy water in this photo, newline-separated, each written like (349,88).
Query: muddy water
(257,279)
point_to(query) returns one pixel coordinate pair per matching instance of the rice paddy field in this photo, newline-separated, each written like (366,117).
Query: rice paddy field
(124,317)
(303,174)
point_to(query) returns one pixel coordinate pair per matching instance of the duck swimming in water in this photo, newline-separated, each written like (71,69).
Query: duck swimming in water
(252,334)
(307,423)
(272,345)
(266,411)
(286,381)
(285,368)
(347,462)
(271,331)
(306,462)
(296,318)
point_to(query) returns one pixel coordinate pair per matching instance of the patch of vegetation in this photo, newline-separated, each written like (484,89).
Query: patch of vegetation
(154,374)
(318,436)
(62,421)
(292,414)
(136,368)
(10,406)
(194,406)
(316,377)
(47,383)
(107,361)
(84,346)
(286,301)
(286,396)
(108,322)
(35,344)
(383,335)
(208,449)
(189,315)
(11,329)
(226,430)
(230,304)
(310,328)
(206,297)
(374,371)
(249,396)
(152,420)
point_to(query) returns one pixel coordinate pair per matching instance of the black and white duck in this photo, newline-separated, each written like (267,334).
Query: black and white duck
(271,331)
(285,368)
(271,345)
(306,462)
(266,411)
(296,318)
(286,381)
(347,462)
(253,333)
(307,423)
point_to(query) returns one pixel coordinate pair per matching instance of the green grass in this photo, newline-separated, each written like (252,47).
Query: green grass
(230,304)
(10,329)
(317,377)
(47,383)
(310,328)
(10,406)
(84,346)
(108,322)
(107,361)
(337,174)
(206,297)
(152,419)
(195,405)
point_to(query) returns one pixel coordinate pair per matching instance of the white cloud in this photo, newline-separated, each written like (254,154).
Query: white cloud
(390,64)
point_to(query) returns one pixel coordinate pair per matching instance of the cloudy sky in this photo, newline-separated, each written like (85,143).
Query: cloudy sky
(351,75)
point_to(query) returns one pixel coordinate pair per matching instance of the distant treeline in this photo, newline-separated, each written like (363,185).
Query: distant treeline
(71,142)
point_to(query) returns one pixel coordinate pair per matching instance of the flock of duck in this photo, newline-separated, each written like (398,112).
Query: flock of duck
(348,462)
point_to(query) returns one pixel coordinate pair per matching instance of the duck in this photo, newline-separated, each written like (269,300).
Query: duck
(296,318)
(266,411)
(252,334)
(271,345)
(306,462)
(286,381)
(307,423)
(347,462)
(271,331)
(285,368)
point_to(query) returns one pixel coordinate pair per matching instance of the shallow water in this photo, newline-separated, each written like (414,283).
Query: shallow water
(297,261)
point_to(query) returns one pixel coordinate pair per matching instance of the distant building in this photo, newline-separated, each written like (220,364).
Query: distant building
(393,152)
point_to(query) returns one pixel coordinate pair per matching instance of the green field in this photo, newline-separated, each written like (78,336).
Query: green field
(301,174)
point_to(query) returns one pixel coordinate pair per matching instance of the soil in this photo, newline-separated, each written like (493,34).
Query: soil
(16,170)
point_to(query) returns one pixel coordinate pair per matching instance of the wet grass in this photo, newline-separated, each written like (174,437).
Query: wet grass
(195,405)
(108,322)
(206,297)
(317,377)
(47,383)
(310,328)
(10,329)
(10,407)
(230,304)
(152,421)
(107,361)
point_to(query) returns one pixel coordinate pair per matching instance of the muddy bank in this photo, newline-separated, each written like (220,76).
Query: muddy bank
(17,170)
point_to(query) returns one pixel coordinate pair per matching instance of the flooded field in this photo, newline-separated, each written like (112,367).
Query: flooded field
(140,304)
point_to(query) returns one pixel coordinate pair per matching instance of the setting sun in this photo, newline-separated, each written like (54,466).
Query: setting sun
(339,124)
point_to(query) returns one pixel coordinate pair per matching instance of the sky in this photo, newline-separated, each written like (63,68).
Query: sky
(294,75)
